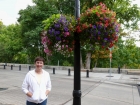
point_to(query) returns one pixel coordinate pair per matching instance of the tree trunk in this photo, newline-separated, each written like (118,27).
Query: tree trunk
(48,61)
(88,60)
(96,63)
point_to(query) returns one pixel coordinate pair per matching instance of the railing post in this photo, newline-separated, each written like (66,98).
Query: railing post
(69,72)
(11,67)
(4,66)
(87,73)
(19,67)
(29,67)
(53,70)
(119,71)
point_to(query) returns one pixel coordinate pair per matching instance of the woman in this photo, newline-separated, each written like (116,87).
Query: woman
(37,84)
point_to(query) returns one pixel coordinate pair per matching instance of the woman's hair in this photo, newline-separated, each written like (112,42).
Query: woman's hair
(39,59)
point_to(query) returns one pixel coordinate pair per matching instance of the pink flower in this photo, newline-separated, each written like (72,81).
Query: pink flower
(59,48)
(66,46)
(47,51)
(66,34)
(62,46)
(44,39)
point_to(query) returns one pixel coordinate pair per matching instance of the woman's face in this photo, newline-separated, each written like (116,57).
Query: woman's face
(39,65)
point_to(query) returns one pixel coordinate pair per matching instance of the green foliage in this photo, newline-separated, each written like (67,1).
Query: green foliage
(66,63)
(31,25)
(58,57)
(10,46)
(21,57)
(49,21)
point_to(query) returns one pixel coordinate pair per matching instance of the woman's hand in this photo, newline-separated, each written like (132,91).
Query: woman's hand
(29,94)
(47,92)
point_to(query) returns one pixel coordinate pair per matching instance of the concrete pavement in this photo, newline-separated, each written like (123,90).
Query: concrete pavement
(98,89)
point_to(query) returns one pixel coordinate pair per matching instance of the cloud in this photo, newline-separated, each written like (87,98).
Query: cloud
(22,4)
(6,18)
(136,2)
(9,10)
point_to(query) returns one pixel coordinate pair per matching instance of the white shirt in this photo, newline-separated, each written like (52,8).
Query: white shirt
(30,84)
(38,77)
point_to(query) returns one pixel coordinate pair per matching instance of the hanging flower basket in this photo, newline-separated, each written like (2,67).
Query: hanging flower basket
(58,34)
(99,26)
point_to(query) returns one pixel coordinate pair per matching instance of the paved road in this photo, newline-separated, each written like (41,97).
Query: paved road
(98,89)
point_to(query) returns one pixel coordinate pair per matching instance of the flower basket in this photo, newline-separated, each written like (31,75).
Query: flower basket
(98,25)
(58,34)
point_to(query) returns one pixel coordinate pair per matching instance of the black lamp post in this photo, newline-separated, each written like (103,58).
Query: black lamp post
(77,68)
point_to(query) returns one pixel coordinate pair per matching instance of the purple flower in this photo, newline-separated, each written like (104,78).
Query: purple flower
(50,31)
(105,33)
(99,26)
(57,32)
(103,44)
(53,30)
(116,29)
(105,39)
(66,29)
(62,20)
(110,31)
(58,38)
(105,18)
(57,25)
(94,27)
(99,32)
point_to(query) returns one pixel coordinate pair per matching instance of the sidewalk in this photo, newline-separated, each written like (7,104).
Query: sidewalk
(97,89)
(112,89)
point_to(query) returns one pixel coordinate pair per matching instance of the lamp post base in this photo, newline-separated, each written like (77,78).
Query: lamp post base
(77,97)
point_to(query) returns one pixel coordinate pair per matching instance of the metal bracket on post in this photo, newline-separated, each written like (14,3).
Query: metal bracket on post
(77,97)
(77,93)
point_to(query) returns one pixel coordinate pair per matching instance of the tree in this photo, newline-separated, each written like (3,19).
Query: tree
(124,12)
(127,14)
(31,18)
(10,46)
(31,25)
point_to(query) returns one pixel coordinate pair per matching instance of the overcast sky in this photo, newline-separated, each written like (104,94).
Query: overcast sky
(9,10)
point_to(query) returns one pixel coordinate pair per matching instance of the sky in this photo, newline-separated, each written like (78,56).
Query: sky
(9,10)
